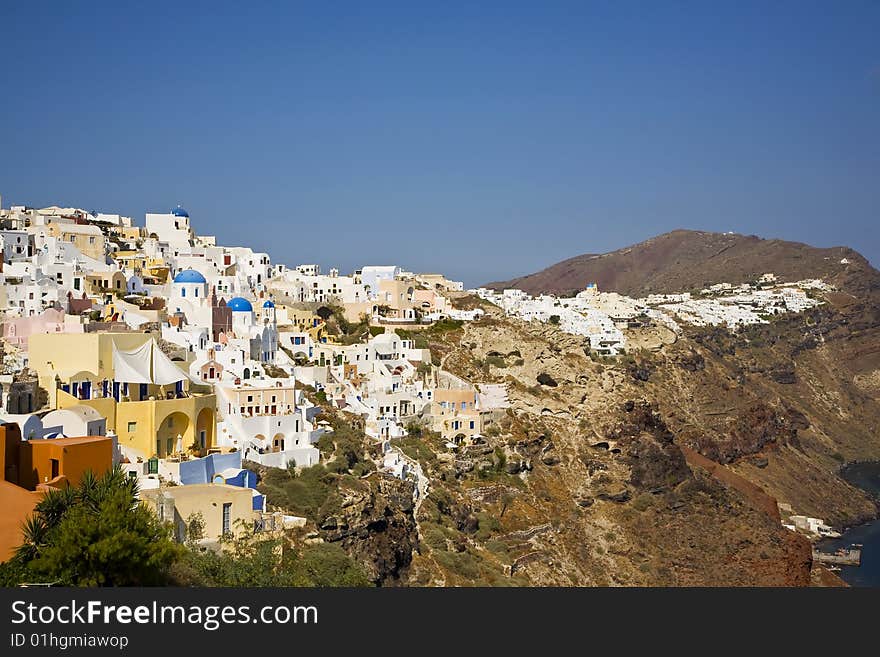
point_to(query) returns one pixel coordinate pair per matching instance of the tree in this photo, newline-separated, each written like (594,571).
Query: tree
(195,528)
(97,534)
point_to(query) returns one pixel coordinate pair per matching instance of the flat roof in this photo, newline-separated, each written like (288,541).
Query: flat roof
(68,441)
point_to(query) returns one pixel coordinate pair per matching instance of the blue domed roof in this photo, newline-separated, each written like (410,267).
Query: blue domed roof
(240,305)
(268,304)
(179,212)
(189,276)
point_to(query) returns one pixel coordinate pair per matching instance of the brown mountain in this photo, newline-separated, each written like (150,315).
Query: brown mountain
(686,260)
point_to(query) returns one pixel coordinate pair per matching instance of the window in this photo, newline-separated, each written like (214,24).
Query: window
(227,512)
(132,427)
(472,424)
(183,291)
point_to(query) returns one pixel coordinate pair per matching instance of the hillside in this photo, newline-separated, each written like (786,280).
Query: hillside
(685,260)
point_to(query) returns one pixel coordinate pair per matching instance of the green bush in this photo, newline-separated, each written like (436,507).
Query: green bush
(434,537)
(327,564)
(496,361)
(303,492)
(643,502)
(445,325)
(269,562)
(489,525)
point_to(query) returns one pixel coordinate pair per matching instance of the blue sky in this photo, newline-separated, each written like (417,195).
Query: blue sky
(483,140)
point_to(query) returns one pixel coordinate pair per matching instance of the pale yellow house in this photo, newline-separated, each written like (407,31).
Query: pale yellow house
(136,261)
(305,321)
(148,401)
(454,414)
(104,282)
(87,238)
(224,509)
(250,400)
(398,297)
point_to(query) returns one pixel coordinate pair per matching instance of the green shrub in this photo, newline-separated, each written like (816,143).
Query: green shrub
(489,525)
(643,502)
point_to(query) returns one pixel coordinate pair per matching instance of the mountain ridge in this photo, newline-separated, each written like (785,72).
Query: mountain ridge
(685,260)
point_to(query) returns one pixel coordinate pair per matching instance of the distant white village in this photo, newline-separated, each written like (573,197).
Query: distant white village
(183,359)
(601,316)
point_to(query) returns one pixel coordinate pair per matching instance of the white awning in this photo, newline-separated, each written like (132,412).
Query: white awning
(133,366)
(146,364)
(164,369)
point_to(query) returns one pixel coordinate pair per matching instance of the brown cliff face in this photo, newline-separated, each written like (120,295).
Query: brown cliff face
(585,482)
(375,526)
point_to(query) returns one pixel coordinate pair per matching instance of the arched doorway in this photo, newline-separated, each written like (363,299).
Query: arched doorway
(278,442)
(173,435)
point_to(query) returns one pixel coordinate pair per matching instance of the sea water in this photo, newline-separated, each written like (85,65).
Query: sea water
(867,477)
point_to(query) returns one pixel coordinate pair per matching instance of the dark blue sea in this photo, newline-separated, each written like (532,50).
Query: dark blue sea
(867,477)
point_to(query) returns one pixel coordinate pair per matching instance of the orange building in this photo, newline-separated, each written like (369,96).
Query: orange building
(18,505)
(62,461)
(31,466)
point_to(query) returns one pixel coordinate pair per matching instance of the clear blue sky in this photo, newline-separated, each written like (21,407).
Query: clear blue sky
(481,140)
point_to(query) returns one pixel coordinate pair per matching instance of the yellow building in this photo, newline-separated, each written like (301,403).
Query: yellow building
(224,509)
(130,233)
(156,271)
(150,403)
(98,283)
(136,261)
(88,239)
(397,297)
(305,321)
(454,414)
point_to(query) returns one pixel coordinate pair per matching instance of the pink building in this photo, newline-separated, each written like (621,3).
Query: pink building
(16,331)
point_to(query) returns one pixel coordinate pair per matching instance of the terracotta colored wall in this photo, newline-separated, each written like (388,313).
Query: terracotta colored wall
(18,505)
(95,454)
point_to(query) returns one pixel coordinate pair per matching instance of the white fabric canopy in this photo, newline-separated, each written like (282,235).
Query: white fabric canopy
(164,370)
(146,364)
(133,366)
